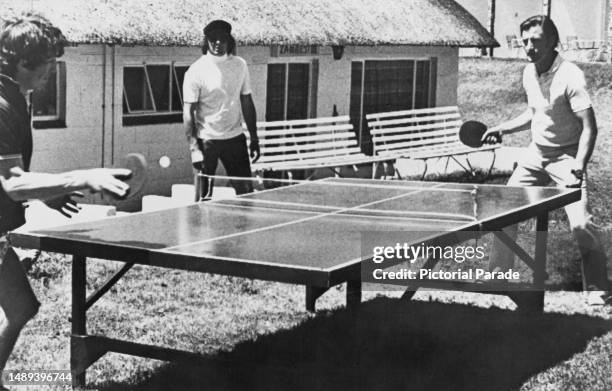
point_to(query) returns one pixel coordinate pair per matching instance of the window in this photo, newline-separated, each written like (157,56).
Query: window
(389,85)
(153,94)
(290,92)
(49,102)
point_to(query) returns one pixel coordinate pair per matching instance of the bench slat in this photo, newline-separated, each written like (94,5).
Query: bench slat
(425,129)
(310,155)
(442,109)
(300,122)
(264,133)
(311,160)
(339,145)
(411,120)
(409,146)
(441,134)
(311,138)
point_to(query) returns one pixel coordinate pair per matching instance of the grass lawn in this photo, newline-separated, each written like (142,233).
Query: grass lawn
(257,335)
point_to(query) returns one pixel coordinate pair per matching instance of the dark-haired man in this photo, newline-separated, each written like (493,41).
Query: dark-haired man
(29,46)
(563,132)
(216,91)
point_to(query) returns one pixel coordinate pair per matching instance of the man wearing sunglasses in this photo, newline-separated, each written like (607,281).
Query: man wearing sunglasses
(216,97)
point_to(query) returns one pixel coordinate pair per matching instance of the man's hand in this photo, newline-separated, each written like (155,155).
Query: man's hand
(65,204)
(491,136)
(104,180)
(577,176)
(197,158)
(255,151)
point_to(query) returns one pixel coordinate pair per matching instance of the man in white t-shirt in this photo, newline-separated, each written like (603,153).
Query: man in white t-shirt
(216,96)
(563,134)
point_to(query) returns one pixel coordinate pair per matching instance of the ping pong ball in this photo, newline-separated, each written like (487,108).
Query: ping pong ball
(164,161)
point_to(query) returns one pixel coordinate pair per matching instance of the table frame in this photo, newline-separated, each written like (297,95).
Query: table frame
(86,349)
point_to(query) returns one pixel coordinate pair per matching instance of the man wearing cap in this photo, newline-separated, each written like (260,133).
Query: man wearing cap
(216,91)
(564,131)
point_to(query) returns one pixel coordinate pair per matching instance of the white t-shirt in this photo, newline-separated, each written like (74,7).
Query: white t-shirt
(554,97)
(215,85)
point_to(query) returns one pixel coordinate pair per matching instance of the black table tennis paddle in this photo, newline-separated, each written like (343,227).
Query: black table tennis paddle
(471,132)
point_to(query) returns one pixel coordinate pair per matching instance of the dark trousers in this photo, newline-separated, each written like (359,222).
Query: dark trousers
(234,155)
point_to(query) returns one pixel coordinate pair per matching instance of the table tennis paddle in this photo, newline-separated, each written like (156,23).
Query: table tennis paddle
(137,180)
(471,132)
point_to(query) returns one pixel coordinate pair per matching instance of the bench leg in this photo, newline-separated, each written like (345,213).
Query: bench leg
(336,171)
(424,169)
(492,163)
(469,170)
(467,160)
(446,165)
(399,176)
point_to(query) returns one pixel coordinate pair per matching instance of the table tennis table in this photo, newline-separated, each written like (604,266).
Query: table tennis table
(307,233)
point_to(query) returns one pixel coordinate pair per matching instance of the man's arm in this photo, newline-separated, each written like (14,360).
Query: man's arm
(514,125)
(190,132)
(21,185)
(250,118)
(586,144)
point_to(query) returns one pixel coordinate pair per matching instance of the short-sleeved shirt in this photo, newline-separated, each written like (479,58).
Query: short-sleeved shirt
(15,141)
(215,85)
(555,96)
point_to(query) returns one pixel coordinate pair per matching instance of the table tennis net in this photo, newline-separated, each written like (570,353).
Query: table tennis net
(332,196)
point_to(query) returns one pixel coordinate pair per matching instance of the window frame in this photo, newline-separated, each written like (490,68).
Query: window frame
(154,115)
(59,119)
(310,93)
(431,88)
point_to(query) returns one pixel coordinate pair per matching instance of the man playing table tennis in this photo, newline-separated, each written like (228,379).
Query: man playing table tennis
(563,132)
(216,90)
(28,48)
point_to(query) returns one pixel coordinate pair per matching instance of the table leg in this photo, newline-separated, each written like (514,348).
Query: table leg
(312,294)
(539,273)
(79,319)
(533,302)
(353,293)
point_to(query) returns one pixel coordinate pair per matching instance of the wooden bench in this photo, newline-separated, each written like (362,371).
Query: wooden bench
(422,134)
(310,144)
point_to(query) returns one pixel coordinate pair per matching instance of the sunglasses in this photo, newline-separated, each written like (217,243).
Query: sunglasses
(218,36)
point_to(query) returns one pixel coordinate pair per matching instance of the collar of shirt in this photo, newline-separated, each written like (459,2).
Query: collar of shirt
(216,59)
(554,67)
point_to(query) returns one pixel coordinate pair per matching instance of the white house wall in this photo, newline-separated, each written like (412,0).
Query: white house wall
(79,145)
(94,135)
(157,140)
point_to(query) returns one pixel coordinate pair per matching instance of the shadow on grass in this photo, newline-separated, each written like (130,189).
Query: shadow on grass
(388,345)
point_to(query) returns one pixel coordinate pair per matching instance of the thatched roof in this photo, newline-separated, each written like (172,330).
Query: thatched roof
(262,22)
